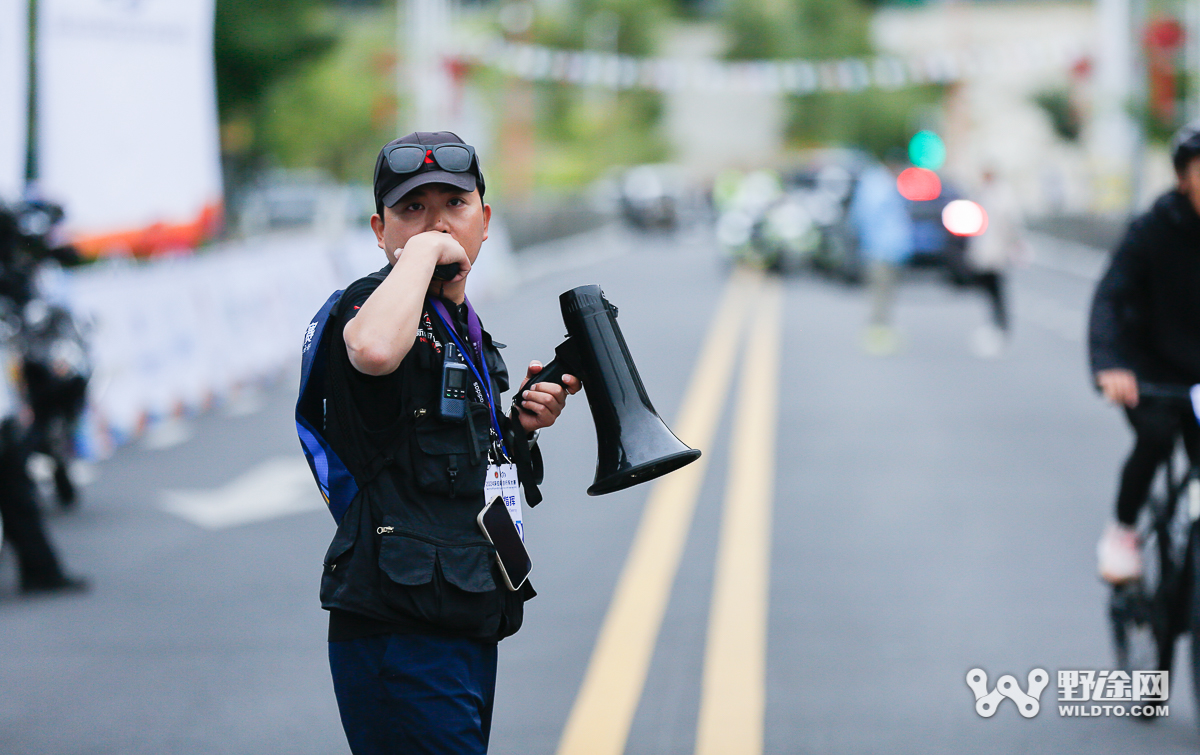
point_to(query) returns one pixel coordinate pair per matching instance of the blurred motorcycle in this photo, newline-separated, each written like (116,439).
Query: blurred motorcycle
(55,365)
(13,419)
(761,223)
(56,368)
(742,203)
(787,238)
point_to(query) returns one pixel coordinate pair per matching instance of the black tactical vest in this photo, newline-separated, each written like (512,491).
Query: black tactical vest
(409,551)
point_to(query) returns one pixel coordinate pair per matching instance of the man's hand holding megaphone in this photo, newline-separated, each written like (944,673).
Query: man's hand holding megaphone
(543,402)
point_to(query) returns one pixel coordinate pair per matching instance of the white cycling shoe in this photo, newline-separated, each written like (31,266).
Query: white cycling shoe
(1119,554)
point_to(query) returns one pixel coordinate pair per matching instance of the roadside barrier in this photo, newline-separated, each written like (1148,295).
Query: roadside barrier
(172,337)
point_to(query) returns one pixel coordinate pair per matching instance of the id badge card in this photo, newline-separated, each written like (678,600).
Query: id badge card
(502,481)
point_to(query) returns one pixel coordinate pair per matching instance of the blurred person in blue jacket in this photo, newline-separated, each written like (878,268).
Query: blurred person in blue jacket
(885,239)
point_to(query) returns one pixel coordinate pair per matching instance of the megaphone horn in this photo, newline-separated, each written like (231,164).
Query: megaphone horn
(633,444)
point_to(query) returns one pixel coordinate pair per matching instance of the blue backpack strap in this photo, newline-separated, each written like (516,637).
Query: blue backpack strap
(334,480)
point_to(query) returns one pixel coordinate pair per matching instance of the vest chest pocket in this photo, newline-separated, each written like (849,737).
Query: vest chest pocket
(445,460)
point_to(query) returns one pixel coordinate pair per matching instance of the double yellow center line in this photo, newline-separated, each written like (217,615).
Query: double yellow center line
(732,698)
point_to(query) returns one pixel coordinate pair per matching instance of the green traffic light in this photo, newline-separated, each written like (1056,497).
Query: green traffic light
(927,150)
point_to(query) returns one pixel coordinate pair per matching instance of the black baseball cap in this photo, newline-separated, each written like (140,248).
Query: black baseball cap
(391,186)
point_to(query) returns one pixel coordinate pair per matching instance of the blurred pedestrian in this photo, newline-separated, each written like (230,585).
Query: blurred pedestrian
(986,259)
(1145,326)
(41,571)
(885,240)
(416,601)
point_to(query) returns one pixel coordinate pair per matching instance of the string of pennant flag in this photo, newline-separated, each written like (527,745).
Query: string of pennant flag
(622,72)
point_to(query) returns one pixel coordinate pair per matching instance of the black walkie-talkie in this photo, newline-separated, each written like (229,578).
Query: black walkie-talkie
(453,404)
(445,272)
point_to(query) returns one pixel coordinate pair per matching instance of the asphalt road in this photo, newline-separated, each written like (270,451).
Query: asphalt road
(925,514)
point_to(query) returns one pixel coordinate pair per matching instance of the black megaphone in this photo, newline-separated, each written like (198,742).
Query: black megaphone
(633,444)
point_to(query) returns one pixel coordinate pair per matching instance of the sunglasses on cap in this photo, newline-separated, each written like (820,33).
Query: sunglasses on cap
(452,158)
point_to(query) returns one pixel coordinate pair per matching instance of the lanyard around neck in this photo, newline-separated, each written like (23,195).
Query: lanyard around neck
(475,334)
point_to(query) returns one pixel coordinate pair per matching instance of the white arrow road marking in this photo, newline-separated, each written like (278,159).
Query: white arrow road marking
(277,487)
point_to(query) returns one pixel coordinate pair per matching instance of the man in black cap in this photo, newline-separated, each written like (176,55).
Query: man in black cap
(416,601)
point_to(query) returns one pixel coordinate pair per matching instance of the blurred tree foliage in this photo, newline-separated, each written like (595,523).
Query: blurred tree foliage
(335,114)
(575,25)
(258,43)
(875,120)
(310,83)
(583,132)
(797,29)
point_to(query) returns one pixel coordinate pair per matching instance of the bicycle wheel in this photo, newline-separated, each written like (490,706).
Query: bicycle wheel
(1193,609)
(1141,615)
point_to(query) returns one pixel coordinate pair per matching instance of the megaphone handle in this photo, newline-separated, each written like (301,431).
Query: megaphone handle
(552,372)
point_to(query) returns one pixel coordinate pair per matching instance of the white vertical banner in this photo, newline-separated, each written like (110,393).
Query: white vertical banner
(13,27)
(128,121)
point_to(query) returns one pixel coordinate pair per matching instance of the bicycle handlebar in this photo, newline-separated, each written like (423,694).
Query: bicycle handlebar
(1165,390)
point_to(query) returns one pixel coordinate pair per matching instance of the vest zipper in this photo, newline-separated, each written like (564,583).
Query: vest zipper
(393,532)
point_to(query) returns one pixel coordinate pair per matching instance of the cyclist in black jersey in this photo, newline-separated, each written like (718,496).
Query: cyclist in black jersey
(1145,326)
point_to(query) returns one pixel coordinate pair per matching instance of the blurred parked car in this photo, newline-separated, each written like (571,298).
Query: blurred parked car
(933,245)
(650,196)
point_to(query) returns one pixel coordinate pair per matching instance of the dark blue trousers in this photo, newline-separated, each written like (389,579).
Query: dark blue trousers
(414,695)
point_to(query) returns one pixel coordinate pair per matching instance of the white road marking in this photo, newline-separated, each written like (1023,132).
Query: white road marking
(278,487)
(733,689)
(83,473)
(608,698)
(166,434)
(244,403)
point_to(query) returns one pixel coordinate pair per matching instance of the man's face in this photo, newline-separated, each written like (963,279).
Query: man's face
(1189,182)
(434,207)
